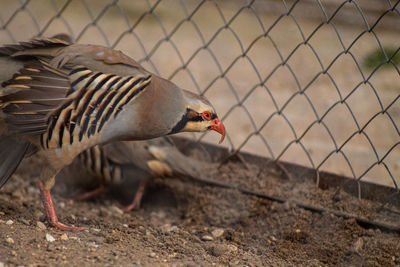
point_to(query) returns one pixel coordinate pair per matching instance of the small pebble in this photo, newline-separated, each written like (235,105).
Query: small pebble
(169,228)
(217,250)
(220,249)
(92,245)
(32,190)
(125,225)
(64,237)
(9,222)
(173,255)
(116,210)
(207,238)
(95,230)
(17,194)
(1,264)
(104,212)
(217,232)
(2,213)
(51,247)
(22,220)
(40,216)
(358,245)
(159,214)
(9,240)
(41,225)
(232,247)
(152,255)
(50,238)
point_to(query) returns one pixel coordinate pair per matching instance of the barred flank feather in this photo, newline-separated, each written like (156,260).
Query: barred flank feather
(96,162)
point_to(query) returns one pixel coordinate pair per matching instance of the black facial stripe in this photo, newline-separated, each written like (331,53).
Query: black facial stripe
(180,125)
(190,115)
(197,118)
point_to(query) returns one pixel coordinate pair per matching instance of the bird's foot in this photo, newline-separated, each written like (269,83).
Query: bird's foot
(62,226)
(138,197)
(135,205)
(51,214)
(91,194)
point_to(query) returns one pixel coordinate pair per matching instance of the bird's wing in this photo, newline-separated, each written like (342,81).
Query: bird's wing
(62,54)
(156,155)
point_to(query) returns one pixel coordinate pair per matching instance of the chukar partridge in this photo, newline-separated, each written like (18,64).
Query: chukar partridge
(119,164)
(62,99)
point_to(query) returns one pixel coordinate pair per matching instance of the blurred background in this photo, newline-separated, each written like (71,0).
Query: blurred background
(312,82)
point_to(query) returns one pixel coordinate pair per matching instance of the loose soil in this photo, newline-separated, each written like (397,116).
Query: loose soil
(186,223)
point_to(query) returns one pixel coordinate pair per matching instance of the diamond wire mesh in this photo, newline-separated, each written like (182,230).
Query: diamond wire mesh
(311,82)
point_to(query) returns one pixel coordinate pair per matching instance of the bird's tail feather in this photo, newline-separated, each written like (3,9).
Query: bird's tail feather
(12,151)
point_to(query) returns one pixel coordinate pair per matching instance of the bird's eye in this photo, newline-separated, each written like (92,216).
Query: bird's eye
(206,115)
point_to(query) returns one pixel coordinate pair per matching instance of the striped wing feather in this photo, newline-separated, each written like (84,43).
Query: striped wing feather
(42,91)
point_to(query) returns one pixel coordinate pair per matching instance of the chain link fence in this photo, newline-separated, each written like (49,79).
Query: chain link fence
(313,82)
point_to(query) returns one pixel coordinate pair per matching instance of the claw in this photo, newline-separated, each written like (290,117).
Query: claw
(138,197)
(51,214)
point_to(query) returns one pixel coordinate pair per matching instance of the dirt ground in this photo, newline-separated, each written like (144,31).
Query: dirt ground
(186,223)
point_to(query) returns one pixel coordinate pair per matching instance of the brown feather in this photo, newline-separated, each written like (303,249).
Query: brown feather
(27,109)
(35,47)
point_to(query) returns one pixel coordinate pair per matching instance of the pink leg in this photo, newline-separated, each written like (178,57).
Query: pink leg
(50,213)
(91,194)
(138,197)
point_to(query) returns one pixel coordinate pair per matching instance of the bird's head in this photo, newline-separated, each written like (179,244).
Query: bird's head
(199,116)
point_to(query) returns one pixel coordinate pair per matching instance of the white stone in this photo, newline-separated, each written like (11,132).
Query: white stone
(218,232)
(50,238)
(207,238)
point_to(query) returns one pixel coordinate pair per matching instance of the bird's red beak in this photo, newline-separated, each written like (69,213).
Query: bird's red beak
(219,128)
